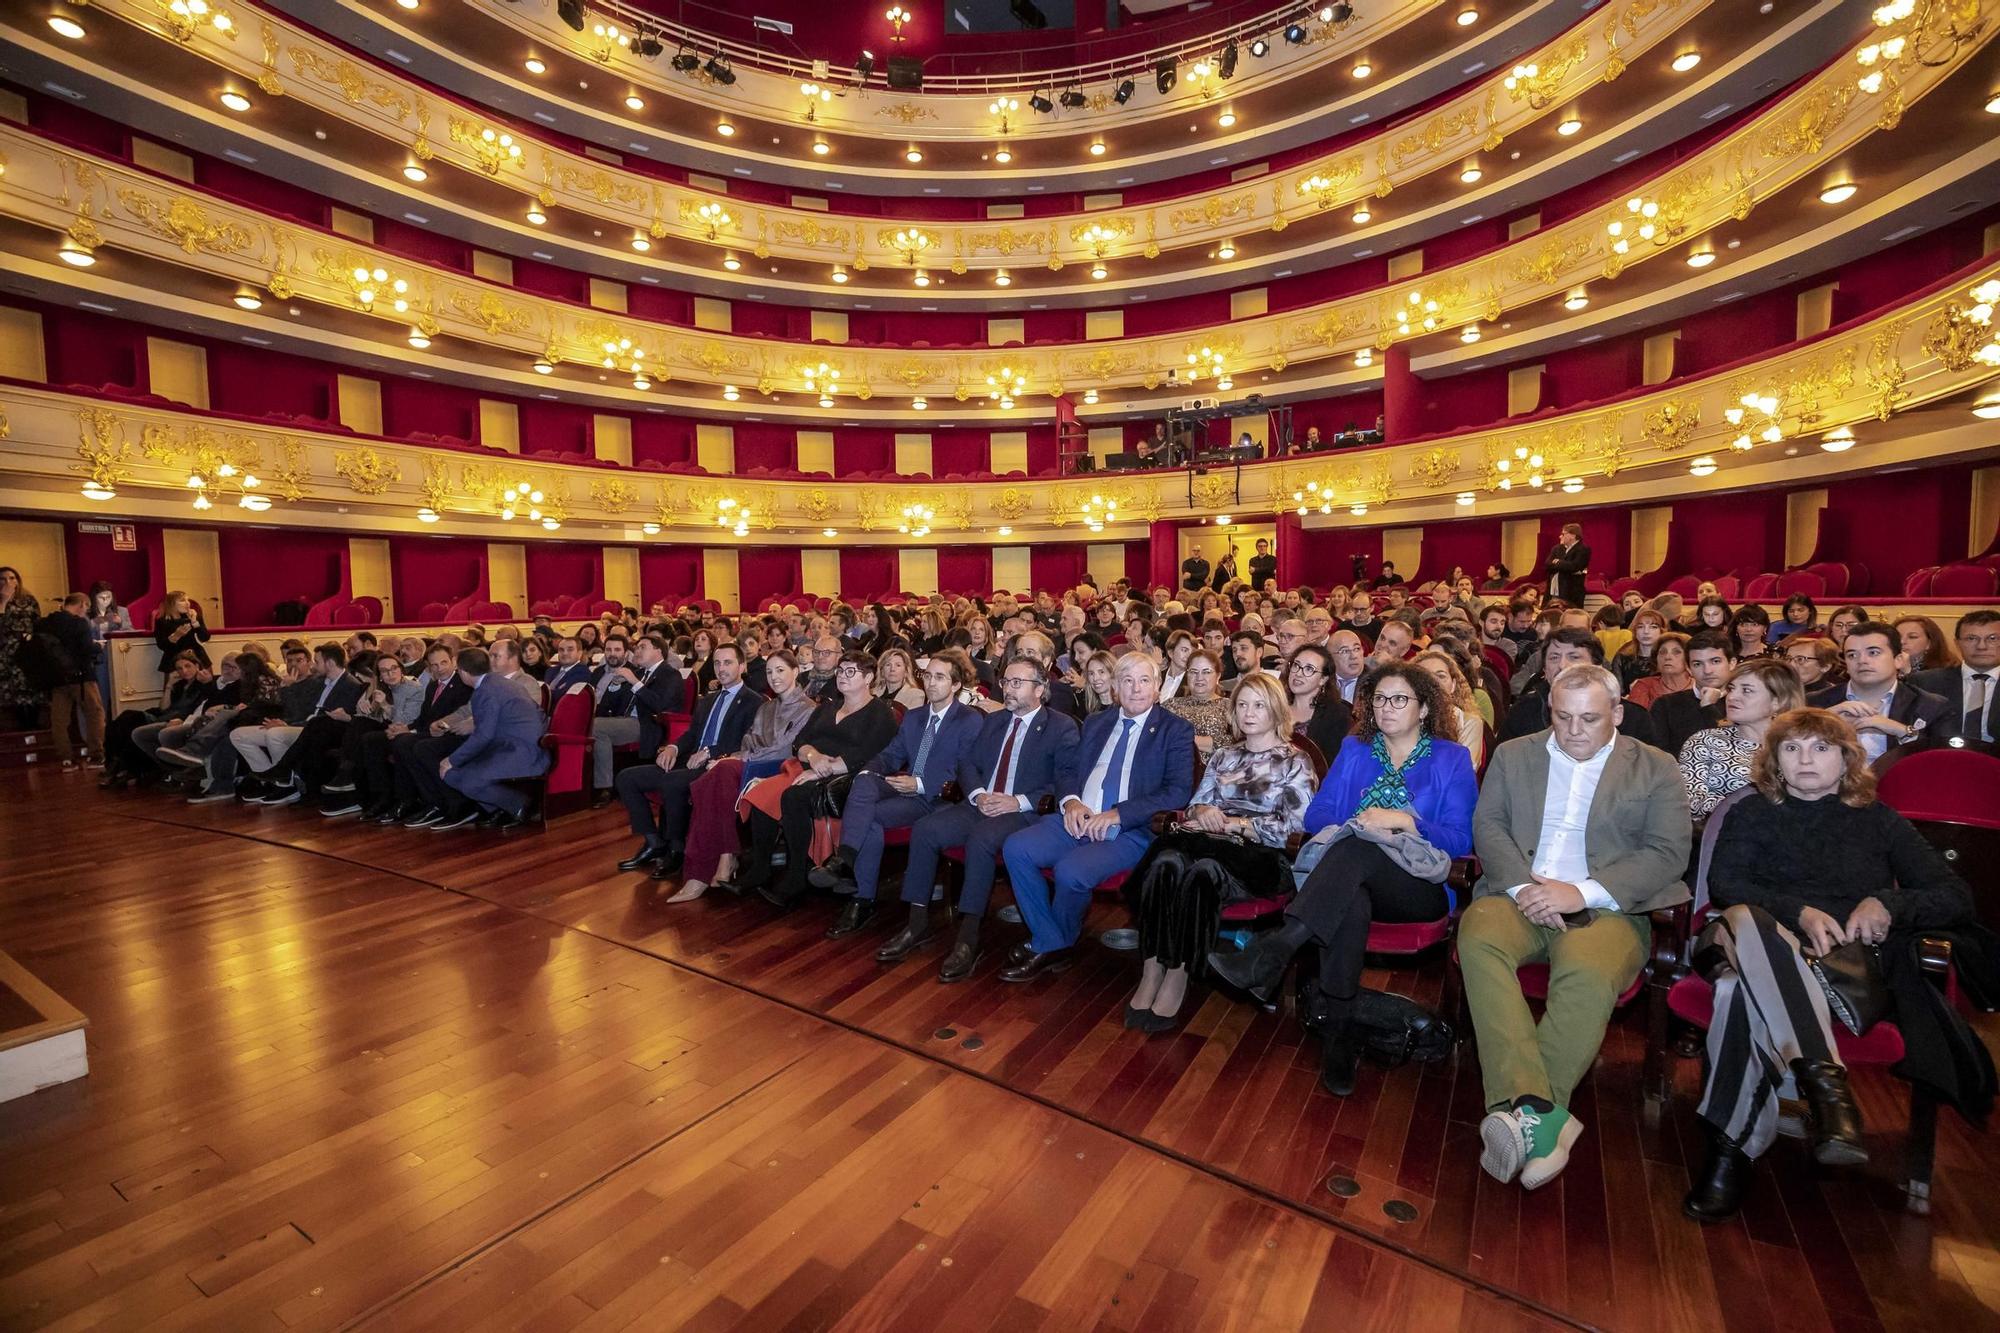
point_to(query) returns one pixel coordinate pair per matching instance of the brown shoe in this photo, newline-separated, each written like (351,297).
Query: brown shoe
(1039,964)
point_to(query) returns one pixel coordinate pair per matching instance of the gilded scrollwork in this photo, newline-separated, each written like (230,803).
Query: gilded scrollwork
(614,496)
(351,80)
(1671,426)
(366,471)
(1434,468)
(186,223)
(1886,375)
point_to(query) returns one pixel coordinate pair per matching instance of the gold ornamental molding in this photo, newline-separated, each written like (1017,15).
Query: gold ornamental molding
(100,202)
(290,60)
(1828,394)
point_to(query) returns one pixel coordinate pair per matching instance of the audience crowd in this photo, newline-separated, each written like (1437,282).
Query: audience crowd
(1540,771)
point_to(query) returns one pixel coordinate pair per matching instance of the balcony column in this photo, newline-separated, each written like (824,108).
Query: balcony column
(1401,396)
(1164,535)
(1291,550)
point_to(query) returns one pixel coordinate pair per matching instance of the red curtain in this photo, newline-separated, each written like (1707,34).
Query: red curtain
(564,569)
(435,569)
(261,191)
(564,428)
(261,568)
(1723,534)
(863,450)
(1138,562)
(866,572)
(90,350)
(1897,522)
(766,571)
(567,284)
(1473,543)
(423,244)
(134,576)
(1057,565)
(961,451)
(965,569)
(412,406)
(766,444)
(662,439)
(660,305)
(669,574)
(253,383)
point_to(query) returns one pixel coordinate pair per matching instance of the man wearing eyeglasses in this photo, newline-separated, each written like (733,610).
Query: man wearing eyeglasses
(1350,659)
(1006,771)
(1131,763)
(1971,684)
(900,785)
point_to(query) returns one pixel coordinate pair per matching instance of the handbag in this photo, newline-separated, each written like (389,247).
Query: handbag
(1855,990)
(1389,1029)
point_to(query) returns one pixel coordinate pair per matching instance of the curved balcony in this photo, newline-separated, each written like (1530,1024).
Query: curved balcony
(354,130)
(1897,385)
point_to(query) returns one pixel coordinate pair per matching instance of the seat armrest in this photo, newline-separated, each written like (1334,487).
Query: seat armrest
(1670,937)
(1164,820)
(1464,873)
(951,792)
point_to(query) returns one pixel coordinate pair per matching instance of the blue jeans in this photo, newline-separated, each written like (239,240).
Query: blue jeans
(1054,913)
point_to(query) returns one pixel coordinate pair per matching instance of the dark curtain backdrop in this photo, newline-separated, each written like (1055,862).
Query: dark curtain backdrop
(965,569)
(559,569)
(766,571)
(669,574)
(435,569)
(866,572)
(262,567)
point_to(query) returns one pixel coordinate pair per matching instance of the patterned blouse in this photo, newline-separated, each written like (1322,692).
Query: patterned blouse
(1271,789)
(1715,763)
(1209,719)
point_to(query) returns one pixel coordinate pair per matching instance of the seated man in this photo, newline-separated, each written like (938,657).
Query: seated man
(630,696)
(900,785)
(443,694)
(1393,642)
(1006,771)
(506,743)
(421,794)
(1131,763)
(714,731)
(1038,648)
(1679,715)
(1883,710)
(261,746)
(569,668)
(1565,648)
(1971,684)
(1581,833)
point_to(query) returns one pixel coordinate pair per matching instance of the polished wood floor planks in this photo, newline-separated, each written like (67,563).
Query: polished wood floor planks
(349,1075)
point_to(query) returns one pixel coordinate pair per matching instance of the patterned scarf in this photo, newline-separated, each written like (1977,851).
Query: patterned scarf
(1388,791)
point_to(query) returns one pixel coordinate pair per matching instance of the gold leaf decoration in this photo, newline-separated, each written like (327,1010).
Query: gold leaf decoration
(491,313)
(1434,467)
(1954,339)
(185,223)
(1670,426)
(367,472)
(614,496)
(294,469)
(1885,369)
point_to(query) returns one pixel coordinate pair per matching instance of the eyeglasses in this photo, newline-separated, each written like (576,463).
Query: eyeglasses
(1395,703)
(1021,680)
(1305,669)
(848,671)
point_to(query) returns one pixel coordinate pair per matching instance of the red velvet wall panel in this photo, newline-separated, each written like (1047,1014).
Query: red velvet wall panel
(1473,543)
(563,569)
(410,406)
(766,571)
(669,575)
(532,275)
(1588,374)
(644,301)
(866,572)
(88,350)
(262,567)
(1474,398)
(435,569)
(1462,242)
(1138,563)
(766,444)
(1324,285)
(90,558)
(70,122)
(964,569)
(945,328)
(254,382)
(863,450)
(1327,554)
(1044,457)
(1144,319)
(960,451)
(1725,534)
(1055,565)
(260,191)
(662,439)
(424,244)
(757,319)
(562,427)
(1045,326)
(1898,521)
(1735,330)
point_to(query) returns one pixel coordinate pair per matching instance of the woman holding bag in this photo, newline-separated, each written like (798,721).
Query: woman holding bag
(1395,809)
(711,840)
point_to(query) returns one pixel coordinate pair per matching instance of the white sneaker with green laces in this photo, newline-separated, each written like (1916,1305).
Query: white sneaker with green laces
(1531,1144)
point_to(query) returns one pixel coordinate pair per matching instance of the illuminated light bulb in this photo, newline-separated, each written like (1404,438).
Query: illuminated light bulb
(1569,126)
(416,174)
(1837,441)
(1987,408)
(536,65)
(730,393)
(913,155)
(821,147)
(1575,301)
(1686,61)
(1362,69)
(1838,194)
(634,102)
(202,502)
(1227,250)
(234,100)
(1703,466)
(1226,119)
(419,340)
(1701,259)
(1573,485)
(408,4)
(835,532)
(641,383)
(427,515)
(1358,510)
(1465,497)
(1470,334)
(919,403)
(1099,272)
(543,366)
(1361,214)
(732,263)
(1097,145)
(1470,175)
(97,490)
(640,242)
(1003,155)
(650,529)
(1993,105)
(1090,397)
(840,274)
(921,278)
(725,129)
(75,255)
(248,301)
(65,26)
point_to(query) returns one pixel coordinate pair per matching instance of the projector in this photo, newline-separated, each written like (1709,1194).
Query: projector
(1201,404)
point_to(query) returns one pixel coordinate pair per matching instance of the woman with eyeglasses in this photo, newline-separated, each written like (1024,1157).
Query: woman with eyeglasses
(1400,794)
(1200,700)
(1318,712)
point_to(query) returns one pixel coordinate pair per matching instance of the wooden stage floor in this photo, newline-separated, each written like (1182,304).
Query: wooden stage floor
(352,1076)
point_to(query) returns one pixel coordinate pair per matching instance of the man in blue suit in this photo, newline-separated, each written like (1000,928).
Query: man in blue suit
(900,785)
(714,731)
(1130,765)
(569,668)
(1006,772)
(506,742)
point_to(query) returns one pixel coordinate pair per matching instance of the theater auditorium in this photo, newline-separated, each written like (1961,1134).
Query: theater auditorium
(1019,664)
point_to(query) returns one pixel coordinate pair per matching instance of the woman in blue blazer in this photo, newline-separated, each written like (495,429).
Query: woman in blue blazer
(1395,809)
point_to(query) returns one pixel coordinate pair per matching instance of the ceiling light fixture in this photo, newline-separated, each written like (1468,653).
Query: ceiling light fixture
(75,255)
(1703,466)
(1002,278)
(1097,148)
(415,174)
(1470,334)
(921,278)
(1227,250)
(725,129)
(1686,61)
(1467,17)
(840,274)
(1362,69)
(1987,408)
(634,102)
(1090,397)
(1838,440)
(1838,194)
(1226,119)
(536,65)
(730,393)
(65,26)
(1571,124)
(1471,174)
(1361,214)
(821,148)
(920,403)
(1701,259)
(419,339)
(234,100)
(1466,497)
(913,155)
(1993,105)
(1576,300)
(535,214)
(1003,155)
(641,242)
(247,300)
(99,490)
(544,366)
(732,263)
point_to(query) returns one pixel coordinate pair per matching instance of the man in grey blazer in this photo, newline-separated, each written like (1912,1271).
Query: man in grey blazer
(1580,832)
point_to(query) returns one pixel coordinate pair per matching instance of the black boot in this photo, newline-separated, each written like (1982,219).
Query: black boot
(1717,1193)
(853,917)
(1259,969)
(1834,1121)
(1339,1058)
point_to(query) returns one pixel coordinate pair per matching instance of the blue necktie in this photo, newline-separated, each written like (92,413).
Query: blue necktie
(924,750)
(708,732)
(1115,770)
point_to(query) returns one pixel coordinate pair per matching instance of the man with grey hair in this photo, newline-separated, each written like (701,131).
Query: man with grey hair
(818,680)
(1581,832)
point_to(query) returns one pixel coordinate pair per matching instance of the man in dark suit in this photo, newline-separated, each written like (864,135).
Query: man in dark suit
(1567,564)
(444,694)
(505,743)
(569,669)
(714,731)
(1006,771)
(1971,684)
(1566,648)
(1037,647)
(1131,764)
(1883,710)
(1679,715)
(900,785)
(1263,565)
(418,755)
(264,746)
(631,695)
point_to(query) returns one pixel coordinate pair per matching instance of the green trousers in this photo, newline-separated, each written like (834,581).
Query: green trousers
(1589,968)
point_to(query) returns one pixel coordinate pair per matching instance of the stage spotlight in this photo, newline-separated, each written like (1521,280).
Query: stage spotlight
(864,65)
(685,60)
(1335,13)
(1295,33)
(1123,93)
(1039,101)
(1166,74)
(571,12)
(1227,66)
(1073,98)
(648,46)
(1260,48)
(718,69)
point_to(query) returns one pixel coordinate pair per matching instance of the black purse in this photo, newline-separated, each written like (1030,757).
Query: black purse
(1390,1029)
(1851,976)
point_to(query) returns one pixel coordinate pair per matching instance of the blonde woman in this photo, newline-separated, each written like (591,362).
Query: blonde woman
(1100,670)
(896,679)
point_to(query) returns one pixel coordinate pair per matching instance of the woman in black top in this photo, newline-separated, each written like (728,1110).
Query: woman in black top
(1319,714)
(1809,861)
(843,733)
(178,628)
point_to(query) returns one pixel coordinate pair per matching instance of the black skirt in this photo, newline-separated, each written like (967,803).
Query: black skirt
(1179,888)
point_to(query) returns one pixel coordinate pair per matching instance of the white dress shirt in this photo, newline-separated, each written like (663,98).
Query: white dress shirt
(1874,743)
(1981,692)
(1560,852)
(1019,728)
(1093,785)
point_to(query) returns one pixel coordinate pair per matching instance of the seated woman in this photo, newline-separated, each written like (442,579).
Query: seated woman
(1201,703)
(1180,646)
(1446,670)
(710,856)
(1639,658)
(843,733)
(896,678)
(1813,657)
(1400,794)
(1798,616)
(1670,672)
(1748,628)
(1716,762)
(1811,862)
(1318,712)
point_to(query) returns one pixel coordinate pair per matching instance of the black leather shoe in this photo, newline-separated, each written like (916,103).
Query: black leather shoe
(1257,972)
(466,820)
(958,964)
(1021,952)
(1040,964)
(853,917)
(903,943)
(424,818)
(1717,1194)
(1135,1016)
(508,822)
(836,870)
(486,819)
(600,798)
(775,896)
(1833,1121)
(648,854)
(1154,1025)
(1339,1058)
(670,861)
